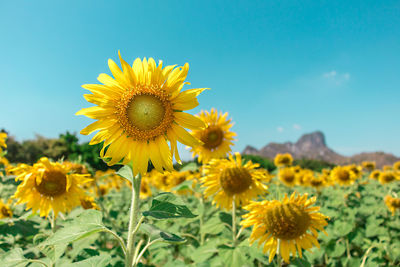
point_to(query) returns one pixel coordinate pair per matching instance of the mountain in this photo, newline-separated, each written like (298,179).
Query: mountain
(313,146)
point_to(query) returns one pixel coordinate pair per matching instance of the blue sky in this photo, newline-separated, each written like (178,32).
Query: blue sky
(280,68)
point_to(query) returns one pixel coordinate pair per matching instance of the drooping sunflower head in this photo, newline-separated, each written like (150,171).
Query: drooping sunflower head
(392,203)
(283,160)
(139,111)
(342,175)
(5,210)
(369,165)
(216,137)
(3,137)
(87,202)
(287,176)
(49,186)
(292,221)
(387,177)
(228,180)
(375,174)
(396,166)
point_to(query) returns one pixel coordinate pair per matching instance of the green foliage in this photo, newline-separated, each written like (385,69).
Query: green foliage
(313,164)
(264,162)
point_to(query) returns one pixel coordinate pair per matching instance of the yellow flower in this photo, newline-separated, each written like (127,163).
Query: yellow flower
(303,177)
(49,186)
(369,165)
(145,190)
(228,180)
(3,137)
(139,111)
(396,166)
(342,175)
(76,167)
(287,176)
(282,160)
(87,202)
(291,221)
(393,204)
(216,137)
(357,170)
(317,182)
(5,211)
(375,174)
(387,168)
(387,177)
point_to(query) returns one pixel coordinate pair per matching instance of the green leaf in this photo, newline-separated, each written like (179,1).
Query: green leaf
(96,261)
(13,258)
(192,166)
(213,226)
(87,223)
(203,253)
(156,233)
(126,172)
(162,207)
(233,257)
(342,228)
(374,230)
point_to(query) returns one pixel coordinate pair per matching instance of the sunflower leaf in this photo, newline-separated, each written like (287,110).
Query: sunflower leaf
(163,207)
(156,233)
(126,172)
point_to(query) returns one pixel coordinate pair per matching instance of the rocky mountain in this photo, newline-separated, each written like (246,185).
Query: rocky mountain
(313,146)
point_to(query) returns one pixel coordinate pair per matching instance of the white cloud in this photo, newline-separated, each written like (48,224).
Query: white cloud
(296,127)
(279,129)
(336,77)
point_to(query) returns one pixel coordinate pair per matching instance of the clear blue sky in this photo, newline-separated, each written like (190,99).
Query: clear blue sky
(280,68)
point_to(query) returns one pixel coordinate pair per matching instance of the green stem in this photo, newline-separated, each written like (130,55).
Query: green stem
(202,235)
(53,222)
(234,221)
(134,211)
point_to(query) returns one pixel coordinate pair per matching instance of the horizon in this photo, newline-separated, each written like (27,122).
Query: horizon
(279,69)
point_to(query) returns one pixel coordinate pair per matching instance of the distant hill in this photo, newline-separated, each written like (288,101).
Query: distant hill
(313,146)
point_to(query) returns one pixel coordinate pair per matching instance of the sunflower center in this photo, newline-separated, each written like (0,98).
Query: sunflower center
(285,160)
(343,175)
(388,177)
(54,183)
(5,212)
(212,137)
(146,112)
(235,180)
(315,182)
(86,204)
(396,202)
(287,221)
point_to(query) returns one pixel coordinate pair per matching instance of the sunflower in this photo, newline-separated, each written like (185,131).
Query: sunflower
(216,137)
(342,175)
(283,160)
(387,168)
(287,176)
(318,182)
(3,137)
(76,167)
(357,170)
(369,165)
(291,221)
(49,186)
(5,211)
(396,166)
(375,174)
(387,177)
(304,176)
(140,110)
(393,204)
(87,202)
(228,179)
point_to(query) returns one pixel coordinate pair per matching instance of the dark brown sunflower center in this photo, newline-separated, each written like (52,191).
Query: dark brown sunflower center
(285,160)
(343,175)
(5,211)
(54,183)
(287,221)
(288,177)
(235,180)
(315,182)
(212,137)
(146,112)
(388,177)
(396,202)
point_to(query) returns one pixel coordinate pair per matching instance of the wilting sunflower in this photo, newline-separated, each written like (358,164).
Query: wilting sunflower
(387,177)
(287,176)
(139,110)
(342,175)
(49,186)
(392,203)
(3,137)
(5,211)
(291,221)
(375,174)
(87,202)
(369,165)
(283,160)
(226,180)
(396,166)
(216,137)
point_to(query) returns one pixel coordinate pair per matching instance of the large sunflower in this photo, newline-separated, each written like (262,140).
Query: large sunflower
(343,175)
(293,222)
(49,186)
(3,137)
(139,110)
(226,180)
(216,137)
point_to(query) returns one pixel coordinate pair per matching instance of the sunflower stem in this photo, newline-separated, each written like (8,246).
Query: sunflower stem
(278,254)
(53,222)
(134,211)
(234,221)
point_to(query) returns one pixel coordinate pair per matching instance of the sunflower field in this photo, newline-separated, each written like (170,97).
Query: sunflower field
(220,209)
